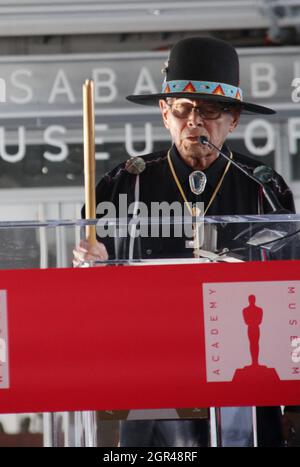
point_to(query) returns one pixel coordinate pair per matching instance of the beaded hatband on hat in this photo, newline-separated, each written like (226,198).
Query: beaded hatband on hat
(203,87)
(202,68)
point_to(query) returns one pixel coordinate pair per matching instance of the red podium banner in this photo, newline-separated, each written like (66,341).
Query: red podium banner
(126,337)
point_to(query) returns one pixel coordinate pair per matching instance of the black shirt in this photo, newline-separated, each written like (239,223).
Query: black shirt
(237,195)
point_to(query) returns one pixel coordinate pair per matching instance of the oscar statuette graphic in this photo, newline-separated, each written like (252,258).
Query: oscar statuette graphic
(253,316)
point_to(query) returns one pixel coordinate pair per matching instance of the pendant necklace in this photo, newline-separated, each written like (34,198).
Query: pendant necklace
(197,180)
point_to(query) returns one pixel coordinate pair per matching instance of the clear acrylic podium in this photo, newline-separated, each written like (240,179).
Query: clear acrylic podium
(232,239)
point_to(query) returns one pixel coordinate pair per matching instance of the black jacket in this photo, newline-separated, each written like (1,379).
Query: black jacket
(238,195)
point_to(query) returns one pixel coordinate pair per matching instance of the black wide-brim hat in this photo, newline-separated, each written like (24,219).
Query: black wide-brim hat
(202,68)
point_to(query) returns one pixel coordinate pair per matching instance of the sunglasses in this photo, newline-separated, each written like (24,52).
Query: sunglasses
(207,111)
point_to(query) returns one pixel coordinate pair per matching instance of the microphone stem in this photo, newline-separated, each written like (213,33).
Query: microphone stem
(267,194)
(269,198)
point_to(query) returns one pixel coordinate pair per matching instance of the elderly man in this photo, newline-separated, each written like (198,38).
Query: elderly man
(200,97)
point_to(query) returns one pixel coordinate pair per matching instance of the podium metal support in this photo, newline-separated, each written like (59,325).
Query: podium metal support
(215,427)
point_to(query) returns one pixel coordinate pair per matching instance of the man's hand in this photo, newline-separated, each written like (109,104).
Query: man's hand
(86,252)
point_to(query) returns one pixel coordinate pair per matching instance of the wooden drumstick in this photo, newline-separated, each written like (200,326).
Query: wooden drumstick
(89,157)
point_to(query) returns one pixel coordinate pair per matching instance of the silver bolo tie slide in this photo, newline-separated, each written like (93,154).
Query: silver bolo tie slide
(197,180)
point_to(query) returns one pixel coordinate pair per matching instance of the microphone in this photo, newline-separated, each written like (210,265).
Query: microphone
(263,176)
(135,165)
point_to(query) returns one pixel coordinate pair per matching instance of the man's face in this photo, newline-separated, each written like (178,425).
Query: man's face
(187,124)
